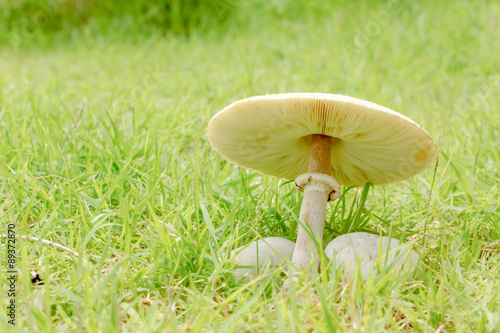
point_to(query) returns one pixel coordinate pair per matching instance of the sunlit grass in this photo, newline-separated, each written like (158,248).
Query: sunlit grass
(103,150)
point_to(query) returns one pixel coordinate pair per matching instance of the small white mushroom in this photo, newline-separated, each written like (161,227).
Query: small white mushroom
(361,248)
(263,256)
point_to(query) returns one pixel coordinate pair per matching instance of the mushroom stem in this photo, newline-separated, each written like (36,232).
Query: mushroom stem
(313,209)
(318,187)
(319,160)
(312,215)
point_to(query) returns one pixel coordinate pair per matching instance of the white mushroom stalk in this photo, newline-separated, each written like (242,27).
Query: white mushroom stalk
(318,187)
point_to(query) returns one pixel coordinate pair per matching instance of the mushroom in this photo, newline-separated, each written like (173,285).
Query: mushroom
(363,248)
(321,141)
(272,251)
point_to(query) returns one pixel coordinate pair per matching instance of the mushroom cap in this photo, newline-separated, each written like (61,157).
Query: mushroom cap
(266,253)
(370,143)
(363,248)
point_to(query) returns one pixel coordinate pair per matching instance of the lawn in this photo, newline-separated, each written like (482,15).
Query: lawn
(104,151)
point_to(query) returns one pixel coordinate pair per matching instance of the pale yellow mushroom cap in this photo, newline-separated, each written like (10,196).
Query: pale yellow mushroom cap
(370,143)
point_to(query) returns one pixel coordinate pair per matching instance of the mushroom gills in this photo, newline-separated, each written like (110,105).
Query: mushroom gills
(264,256)
(362,249)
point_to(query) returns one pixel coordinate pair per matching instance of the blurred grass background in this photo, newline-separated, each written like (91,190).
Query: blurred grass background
(46,22)
(59,16)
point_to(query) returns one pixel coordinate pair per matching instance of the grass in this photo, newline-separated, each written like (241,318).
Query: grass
(103,150)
